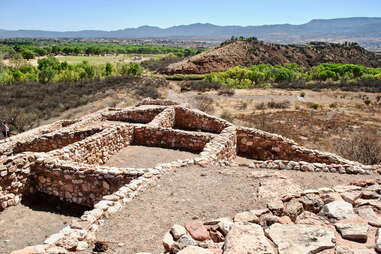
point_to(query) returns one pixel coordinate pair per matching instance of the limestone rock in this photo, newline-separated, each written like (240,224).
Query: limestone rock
(197,230)
(301,239)
(168,241)
(243,239)
(276,207)
(367,213)
(338,210)
(246,217)
(312,202)
(177,231)
(347,250)
(353,231)
(194,250)
(293,208)
(378,240)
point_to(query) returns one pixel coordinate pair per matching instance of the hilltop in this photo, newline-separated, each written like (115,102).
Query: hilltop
(250,51)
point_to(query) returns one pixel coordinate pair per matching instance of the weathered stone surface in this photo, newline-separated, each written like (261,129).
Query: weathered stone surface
(367,213)
(56,250)
(312,202)
(168,241)
(301,239)
(194,250)
(338,210)
(243,239)
(276,207)
(353,231)
(197,230)
(225,224)
(378,240)
(246,217)
(351,196)
(347,250)
(309,218)
(293,208)
(178,231)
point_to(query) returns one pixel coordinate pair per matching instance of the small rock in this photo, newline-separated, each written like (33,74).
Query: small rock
(353,231)
(378,240)
(347,250)
(177,231)
(82,245)
(312,203)
(197,230)
(246,217)
(339,210)
(225,225)
(56,250)
(216,236)
(285,220)
(168,241)
(293,208)
(276,207)
(351,196)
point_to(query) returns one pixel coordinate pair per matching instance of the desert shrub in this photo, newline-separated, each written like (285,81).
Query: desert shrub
(260,106)
(228,116)
(279,105)
(367,101)
(302,94)
(228,91)
(333,105)
(180,77)
(313,105)
(204,103)
(199,85)
(365,147)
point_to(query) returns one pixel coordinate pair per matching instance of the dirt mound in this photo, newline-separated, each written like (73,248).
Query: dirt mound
(253,52)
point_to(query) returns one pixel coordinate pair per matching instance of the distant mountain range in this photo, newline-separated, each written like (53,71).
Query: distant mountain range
(361,29)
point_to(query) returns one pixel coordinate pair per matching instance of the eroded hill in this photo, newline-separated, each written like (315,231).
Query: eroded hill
(253,52)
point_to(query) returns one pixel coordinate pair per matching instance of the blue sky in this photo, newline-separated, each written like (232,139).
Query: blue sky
(64,15)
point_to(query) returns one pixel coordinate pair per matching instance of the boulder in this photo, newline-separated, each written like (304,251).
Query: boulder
(243,239)
(301,239)
(339,210)
(353,231)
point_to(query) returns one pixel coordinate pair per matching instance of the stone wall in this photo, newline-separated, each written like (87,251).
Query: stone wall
(261,145)
(79,183)
(97,149)
(221,148)
(165,119)
(52,141)
(170,138)
(188,119)
(14,178)
(143,114)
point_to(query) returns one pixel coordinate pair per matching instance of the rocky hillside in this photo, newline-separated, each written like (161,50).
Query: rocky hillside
(253,52)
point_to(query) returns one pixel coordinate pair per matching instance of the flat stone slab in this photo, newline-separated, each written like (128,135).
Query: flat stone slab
(353,231)
(243,239)
(301,239)
(339,210)
(368,214)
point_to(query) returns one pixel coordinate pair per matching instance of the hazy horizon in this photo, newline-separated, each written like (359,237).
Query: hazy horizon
(110,15)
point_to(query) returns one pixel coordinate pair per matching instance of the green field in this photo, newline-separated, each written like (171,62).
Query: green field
(107,59)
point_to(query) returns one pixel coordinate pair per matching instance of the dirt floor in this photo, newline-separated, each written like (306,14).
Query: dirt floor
(145,157)
(204,193)
(34,220)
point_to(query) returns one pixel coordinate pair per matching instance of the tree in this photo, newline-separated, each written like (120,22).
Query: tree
(27,54)
(108,69)
(46,75)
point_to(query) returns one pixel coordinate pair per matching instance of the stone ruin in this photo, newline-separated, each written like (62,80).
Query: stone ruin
(66,160)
